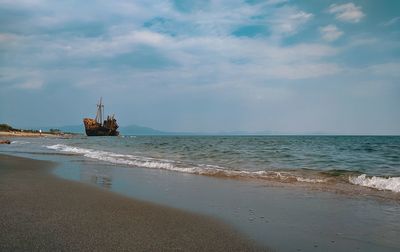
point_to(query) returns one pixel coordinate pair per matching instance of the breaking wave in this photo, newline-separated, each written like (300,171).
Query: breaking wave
(309,176)
(200,169)
(19,142)
(380,183)
(115,158)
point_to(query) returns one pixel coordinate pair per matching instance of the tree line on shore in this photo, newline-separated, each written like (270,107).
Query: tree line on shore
(9,128)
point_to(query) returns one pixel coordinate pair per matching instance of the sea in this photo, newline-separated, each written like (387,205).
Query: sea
(325,193)
(369,161)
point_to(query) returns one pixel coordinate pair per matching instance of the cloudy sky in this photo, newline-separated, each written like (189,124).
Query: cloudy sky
(218,65)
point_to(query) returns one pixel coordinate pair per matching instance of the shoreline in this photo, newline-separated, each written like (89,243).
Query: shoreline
(336,181)
(333,181)
(270,215)
(40,211)
(32,134)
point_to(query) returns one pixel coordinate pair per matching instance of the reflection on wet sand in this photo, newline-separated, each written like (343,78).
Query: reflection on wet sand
(101,181)
(98,176)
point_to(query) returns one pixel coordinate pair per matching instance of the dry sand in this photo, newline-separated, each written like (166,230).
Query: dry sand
(40,212)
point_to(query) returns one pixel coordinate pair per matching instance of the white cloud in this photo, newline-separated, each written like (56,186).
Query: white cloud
(357,41)
(62,46)
(22,3)
(302,71)
(272,2)
(347,12)
(288,20)
(330,32)
(392,21)
(30,84)
(203,52)
(7,37)
(22,78)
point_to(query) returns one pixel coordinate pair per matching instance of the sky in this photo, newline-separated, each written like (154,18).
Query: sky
(286,66)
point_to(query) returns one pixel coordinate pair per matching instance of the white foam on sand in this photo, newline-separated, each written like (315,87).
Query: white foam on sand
(380,183)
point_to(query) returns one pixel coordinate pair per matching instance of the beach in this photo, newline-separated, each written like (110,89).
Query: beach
(13,134)
(40,212)
(200,125)
(245,182)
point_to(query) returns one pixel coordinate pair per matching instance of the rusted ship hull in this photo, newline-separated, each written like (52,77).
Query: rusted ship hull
(101,131)
(94,128)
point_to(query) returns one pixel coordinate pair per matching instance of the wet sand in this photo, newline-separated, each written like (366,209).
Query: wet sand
(40,212)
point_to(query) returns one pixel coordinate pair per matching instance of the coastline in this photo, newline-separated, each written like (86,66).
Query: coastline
(40,211)
(310,215)
(31,134)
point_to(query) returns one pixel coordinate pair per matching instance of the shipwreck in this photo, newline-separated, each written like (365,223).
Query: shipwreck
(98,127)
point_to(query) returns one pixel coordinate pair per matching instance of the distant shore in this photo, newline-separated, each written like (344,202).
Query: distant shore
(7,130)
(32,134)
(39,211)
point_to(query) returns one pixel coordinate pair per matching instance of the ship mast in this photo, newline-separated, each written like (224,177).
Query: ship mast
(100,111)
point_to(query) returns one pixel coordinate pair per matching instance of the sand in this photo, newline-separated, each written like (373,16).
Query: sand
(31,134)
(40,212)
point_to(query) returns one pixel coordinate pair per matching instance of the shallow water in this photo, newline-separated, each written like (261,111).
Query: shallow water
(272,215)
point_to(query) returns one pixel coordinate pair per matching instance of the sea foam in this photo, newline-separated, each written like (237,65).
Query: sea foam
(380,183)
(115,158)
(200,169)
(19,142)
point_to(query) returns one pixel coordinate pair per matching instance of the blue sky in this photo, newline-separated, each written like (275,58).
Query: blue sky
(226,65)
